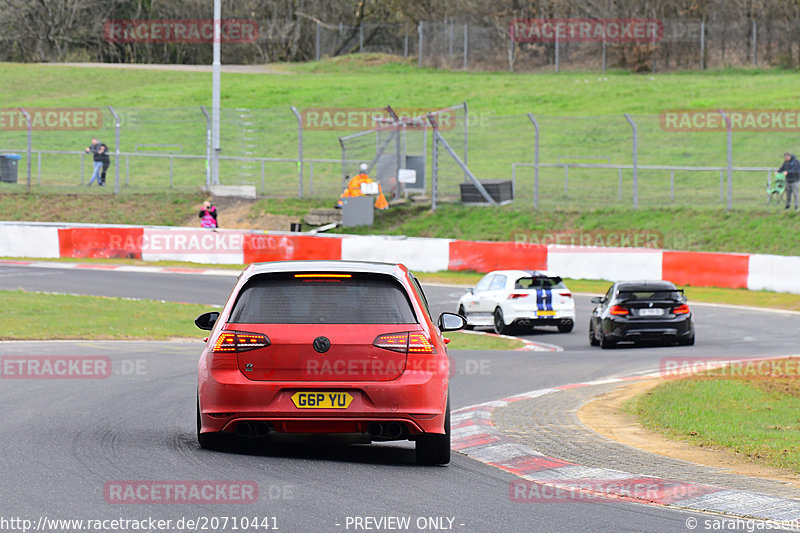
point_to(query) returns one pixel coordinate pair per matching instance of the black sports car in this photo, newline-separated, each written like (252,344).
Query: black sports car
(641,311)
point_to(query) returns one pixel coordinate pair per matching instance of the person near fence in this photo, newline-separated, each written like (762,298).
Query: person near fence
(208,215)
(354,189)
(97,151)
(106,163)
(791,169)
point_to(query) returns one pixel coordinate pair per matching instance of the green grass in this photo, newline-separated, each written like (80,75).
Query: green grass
(58,316)
(42,316)
(755,418)
(472,341)
(694,229)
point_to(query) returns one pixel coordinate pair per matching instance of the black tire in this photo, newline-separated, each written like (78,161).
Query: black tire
(566,328)
(432,450)
(499,325)
(687,342)
(605,343)
(592,339)
(462,313)
(208,441)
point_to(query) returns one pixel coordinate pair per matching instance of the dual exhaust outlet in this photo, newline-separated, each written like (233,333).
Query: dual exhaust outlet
(253,430)
(392,430)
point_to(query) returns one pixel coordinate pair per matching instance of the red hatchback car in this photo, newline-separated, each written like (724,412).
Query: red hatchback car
(327,347)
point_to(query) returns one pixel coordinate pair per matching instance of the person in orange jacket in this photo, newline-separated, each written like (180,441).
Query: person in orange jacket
(354,189)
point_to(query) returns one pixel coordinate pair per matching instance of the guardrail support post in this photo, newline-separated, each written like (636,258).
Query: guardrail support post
(535,160)
(116,148)
(299,151)
(30,142)
(729,127)
(635,161)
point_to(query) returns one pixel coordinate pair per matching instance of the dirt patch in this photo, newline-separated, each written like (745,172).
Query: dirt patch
(237,213)
(605,416)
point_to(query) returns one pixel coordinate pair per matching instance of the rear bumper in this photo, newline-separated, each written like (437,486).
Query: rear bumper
(622,329)
(416,399)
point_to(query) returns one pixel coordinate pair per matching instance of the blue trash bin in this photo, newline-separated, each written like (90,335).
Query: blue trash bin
(8,167)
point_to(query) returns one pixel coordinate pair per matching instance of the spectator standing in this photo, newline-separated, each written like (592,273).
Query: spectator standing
(96,149)
(208,215)
(791,169)
(106,163)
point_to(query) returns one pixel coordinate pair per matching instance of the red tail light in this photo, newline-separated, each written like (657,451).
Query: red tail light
(406,342)
(565,294)
(515,296)
(618,310)
(237,342)
(682,309)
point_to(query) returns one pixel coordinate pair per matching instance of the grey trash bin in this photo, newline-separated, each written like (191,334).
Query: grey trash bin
(8,167)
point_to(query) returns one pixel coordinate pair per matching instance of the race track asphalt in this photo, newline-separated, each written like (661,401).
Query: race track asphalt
(67,439)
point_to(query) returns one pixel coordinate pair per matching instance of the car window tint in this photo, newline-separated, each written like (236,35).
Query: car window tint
(540,282)
(483,284)
(649,295)
(286,299)
(498,283)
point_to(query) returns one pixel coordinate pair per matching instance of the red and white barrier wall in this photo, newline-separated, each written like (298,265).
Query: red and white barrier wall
(237,247)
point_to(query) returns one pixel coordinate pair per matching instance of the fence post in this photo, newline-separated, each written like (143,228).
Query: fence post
(672,185)
(435,164)
(619,186)
(466,44)
(299,151)
(405,43)
(566,179)
(30,142)
(635,161)
(466,136)
(116,148)
(360,38)
(604,52)
(755,41)
(316,43)
(216,75)
(703,44)
(420,30)
(535,161)
(558,69)
(729,127)
(208,146)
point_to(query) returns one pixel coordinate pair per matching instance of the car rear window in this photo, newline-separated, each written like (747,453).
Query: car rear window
(323,299)
(649,295)
(540,282)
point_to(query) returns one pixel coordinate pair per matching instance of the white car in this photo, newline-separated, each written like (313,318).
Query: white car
(517,299)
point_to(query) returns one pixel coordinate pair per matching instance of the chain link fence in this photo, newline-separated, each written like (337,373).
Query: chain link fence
(582,161)
(684,45)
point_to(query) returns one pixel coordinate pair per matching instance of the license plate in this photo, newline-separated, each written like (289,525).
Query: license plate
(656,311)
(321,400)
(545,313)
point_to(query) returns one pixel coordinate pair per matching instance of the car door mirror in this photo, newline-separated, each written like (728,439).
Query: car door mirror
(207,320)
(470,291)
(597,300)
(451,322)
